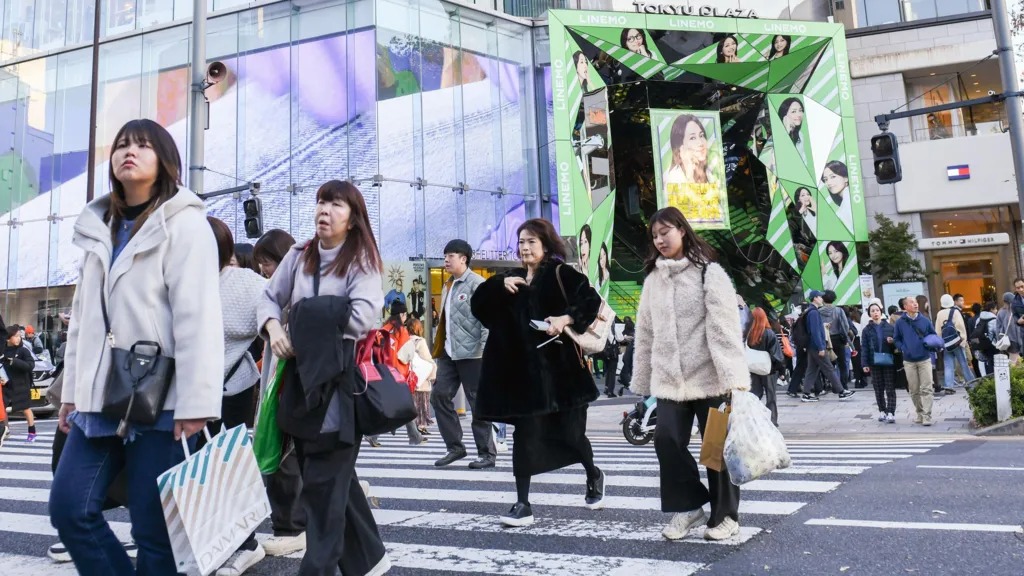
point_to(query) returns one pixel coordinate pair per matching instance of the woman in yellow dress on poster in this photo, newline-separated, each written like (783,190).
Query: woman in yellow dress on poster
(690,184)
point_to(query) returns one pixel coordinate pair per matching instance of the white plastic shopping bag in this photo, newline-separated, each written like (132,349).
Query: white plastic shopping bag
(753,446)
(213,501)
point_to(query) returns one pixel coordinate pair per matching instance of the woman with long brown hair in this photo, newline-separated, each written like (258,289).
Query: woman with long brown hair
(761,337)
(337,272)
(533,376)
(689,355)
(417,347)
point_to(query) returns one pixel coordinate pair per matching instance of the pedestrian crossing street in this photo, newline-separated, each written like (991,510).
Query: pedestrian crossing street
(444,520)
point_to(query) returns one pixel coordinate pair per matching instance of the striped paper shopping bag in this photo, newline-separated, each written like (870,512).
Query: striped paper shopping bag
(212,501)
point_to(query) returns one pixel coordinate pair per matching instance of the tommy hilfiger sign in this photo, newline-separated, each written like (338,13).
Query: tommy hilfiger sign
(703,11)
(973,241)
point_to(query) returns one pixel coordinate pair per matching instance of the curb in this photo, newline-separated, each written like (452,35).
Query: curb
(1011,427)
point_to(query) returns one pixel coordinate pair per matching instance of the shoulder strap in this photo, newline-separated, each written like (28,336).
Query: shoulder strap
(561,286)
(234,368)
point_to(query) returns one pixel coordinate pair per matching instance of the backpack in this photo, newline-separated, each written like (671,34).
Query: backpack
(950,335)
(979,339)
(799,334)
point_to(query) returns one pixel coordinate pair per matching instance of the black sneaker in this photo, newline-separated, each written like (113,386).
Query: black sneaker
(482,462)
(792,394)
(808,398)
(595,492)
(520,515)
(846,394)
(450,457)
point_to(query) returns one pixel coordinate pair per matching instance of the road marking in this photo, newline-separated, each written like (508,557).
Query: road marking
(7,474)
(580,479)
(18,565)
(799,467)
(563,527)
(1006,468)
(40,525)
(20,459)
(449,559)
(570,500)
(1010,528)
(638,458)
(19,450)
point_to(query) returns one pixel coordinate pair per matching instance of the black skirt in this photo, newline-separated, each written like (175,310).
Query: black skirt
(550,441)
(17,396)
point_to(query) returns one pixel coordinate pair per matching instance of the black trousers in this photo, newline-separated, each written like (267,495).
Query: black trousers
(611,368)
(284,487)
(796,377)
(340,530)
(764,387)
(450,375)
(839,345)
(681,488)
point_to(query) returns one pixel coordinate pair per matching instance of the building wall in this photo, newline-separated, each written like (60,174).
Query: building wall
(437,96)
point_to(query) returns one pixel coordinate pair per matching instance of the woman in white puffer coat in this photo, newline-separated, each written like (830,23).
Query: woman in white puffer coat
(690,365)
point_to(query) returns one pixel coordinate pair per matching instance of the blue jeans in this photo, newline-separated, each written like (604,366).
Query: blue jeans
(499,431)
(960,357)
(86,469)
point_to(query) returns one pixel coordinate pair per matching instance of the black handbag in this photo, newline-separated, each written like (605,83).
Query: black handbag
(382,399)
(138,383)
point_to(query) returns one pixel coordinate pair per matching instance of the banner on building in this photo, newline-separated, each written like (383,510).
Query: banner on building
(689,165)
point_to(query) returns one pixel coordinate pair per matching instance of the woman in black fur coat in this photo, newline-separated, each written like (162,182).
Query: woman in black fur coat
(537,380)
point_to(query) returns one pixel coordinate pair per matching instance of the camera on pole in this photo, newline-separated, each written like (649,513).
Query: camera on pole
(887,158)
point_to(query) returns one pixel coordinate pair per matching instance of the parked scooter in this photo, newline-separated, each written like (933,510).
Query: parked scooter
(638,425)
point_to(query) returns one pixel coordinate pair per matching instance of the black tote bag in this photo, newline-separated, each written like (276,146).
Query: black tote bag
(382,398)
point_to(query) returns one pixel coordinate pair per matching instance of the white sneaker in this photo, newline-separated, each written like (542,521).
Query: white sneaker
(727,529)
(284,545)
(881,416)
(5,432)
(241,561)
(500,447)
(682,523)
(381,568)
(58,553)
(365,485)
(890,418)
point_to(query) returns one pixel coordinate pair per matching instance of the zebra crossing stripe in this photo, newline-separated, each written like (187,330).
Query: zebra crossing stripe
(546,527)
(567,500)
(812,486)
(809,468)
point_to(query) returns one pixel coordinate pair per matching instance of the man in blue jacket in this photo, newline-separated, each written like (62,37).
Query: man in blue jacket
(818,361)
(911,329)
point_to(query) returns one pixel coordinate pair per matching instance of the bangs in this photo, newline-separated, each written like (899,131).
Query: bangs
(333,191)
(135,131)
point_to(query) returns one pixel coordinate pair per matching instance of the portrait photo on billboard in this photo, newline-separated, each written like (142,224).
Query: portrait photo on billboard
(835,191)
(689,165)
(839,267)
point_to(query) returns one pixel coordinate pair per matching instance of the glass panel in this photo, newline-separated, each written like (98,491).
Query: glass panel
(919,9)
(118,17)
(878,12)
(80,21)
(153,12)
(51,19)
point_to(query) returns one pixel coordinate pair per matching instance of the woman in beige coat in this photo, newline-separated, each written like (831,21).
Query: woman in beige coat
(689,355)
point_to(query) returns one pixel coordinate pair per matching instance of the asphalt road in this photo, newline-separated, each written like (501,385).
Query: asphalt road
(444,521)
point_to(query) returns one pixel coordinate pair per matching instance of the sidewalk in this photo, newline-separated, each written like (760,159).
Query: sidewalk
(857,416)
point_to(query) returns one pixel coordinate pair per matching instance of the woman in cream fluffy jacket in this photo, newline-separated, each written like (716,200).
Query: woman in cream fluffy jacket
(689,365)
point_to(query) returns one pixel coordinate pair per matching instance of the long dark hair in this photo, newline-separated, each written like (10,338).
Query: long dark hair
(360,247)
(602,276)
(643,40)
(721,47)
(225,241)
(694,247)
(785,50)
(841,248)
(554,247)
(794,133)
(168,176)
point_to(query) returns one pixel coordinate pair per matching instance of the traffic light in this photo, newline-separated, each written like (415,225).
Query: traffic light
(253,210)
(887,158)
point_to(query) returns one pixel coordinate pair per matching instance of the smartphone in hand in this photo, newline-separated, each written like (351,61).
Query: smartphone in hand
(540,325)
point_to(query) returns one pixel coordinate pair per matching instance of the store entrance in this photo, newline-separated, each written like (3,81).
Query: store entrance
(974,275)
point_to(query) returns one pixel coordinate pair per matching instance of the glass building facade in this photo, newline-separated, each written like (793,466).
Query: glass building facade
(439,102)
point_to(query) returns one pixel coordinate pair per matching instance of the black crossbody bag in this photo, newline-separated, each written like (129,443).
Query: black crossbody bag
(138,383)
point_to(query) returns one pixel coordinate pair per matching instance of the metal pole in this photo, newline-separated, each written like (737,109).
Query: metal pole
(90,169)
(197,133)
(1014,111)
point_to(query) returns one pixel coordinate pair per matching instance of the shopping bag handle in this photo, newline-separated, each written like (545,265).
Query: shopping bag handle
(184,440)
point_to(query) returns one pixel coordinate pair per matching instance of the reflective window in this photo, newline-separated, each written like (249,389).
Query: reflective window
(879,12)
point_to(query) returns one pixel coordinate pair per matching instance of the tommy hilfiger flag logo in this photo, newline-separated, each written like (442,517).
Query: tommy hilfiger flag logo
(962,172)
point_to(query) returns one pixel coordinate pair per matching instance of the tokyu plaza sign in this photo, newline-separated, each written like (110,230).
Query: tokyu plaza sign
(680,10)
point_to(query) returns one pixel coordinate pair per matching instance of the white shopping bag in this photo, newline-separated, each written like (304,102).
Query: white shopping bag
(753,445)
(213,501)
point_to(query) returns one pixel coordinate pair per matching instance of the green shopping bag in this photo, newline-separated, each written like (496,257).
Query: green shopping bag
(268,440)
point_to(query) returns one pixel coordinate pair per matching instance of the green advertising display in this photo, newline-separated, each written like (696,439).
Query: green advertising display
(778,93)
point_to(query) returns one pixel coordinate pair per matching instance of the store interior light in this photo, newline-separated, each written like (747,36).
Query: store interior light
(976,83)
(932,74)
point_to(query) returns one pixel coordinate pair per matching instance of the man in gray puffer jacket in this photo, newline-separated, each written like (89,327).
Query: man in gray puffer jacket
(458,348)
